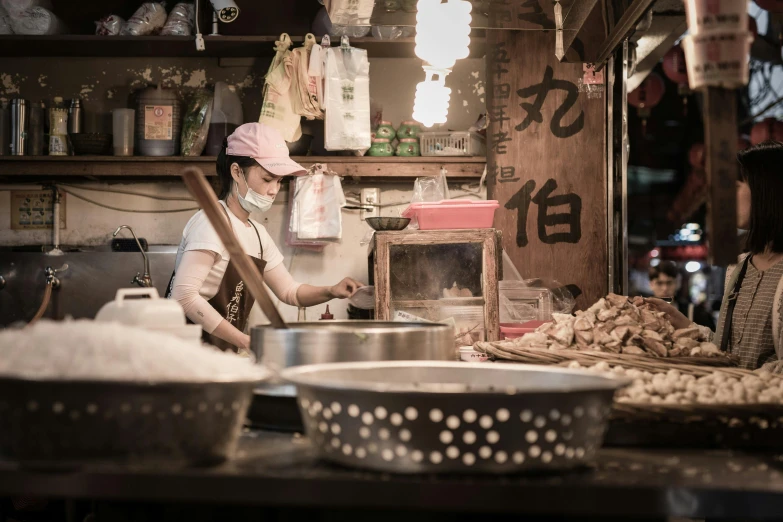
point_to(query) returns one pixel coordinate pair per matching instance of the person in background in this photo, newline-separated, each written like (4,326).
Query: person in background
(665,284)
(750,316)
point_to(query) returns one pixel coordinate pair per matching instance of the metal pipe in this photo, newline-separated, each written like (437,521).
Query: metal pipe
(141,280)
(56,218)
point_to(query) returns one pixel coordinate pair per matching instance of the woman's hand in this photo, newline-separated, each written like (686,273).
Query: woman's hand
(244,343)
(674,316)
(345,288)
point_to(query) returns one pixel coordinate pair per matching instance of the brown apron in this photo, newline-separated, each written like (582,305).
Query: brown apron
(231,300)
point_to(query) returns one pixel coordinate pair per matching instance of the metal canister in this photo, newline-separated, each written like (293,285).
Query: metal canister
(5,128)
(75,117)
(35,133)
(19,123)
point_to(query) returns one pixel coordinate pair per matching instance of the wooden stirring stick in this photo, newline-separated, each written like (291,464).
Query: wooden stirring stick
(198,186)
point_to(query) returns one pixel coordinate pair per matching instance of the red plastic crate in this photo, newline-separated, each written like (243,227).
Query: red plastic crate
(452,214)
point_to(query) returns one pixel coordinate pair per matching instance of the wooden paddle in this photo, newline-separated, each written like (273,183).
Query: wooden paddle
(198,186)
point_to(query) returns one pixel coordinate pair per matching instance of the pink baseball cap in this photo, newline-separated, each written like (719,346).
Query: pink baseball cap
(265,145)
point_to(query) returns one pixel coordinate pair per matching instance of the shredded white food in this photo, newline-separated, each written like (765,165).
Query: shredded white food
(89,350)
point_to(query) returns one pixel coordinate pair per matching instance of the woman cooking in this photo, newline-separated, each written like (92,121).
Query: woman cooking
(750,316)
(251,167)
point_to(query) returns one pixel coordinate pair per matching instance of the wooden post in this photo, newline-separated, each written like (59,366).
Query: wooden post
(720,126)
(547,160)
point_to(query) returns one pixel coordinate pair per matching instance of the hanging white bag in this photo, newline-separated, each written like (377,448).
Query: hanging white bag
(319,202)
(347,96)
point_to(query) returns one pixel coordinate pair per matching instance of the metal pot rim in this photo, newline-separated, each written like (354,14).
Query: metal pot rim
(307,376)
(351,327)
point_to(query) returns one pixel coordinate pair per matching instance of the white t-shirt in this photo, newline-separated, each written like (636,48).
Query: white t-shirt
(200,235)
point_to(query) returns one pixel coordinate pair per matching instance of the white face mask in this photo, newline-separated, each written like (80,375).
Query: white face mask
(253,201)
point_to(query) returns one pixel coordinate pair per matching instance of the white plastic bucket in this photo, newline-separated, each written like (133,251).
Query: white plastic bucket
(718,60)
(710,16)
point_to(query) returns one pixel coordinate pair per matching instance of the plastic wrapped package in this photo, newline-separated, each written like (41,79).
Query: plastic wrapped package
(350,13)
(533,300)
(148,19)
(318,204)
(17,6)
(226,117)
(5,22)
(388,32)
(195,125)
(351,31)
(35,21)
(180,21)
(347,95)
(322,25)
(109,26)
(430,189)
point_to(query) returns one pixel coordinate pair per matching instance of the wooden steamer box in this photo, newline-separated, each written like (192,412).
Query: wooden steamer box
(411,269)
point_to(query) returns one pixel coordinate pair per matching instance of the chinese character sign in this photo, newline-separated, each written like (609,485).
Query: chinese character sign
(553,210)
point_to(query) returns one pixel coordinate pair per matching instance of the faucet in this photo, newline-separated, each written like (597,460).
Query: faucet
(144,281)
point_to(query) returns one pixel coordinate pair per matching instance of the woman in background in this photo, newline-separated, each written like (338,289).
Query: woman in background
(750,316)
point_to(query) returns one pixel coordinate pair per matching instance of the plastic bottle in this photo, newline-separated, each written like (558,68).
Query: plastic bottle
(158,122)
(35,133)
(327,316)
(226,117)
(58,128)
(75,117)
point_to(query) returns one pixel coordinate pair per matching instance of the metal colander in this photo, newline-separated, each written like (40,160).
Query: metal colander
(435,417)
(73,421)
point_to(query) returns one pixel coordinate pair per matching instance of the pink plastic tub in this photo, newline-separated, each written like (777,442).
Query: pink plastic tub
(451,214)
(517,330)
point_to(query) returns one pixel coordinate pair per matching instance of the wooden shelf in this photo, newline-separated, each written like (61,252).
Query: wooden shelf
(15,168)
(184,46)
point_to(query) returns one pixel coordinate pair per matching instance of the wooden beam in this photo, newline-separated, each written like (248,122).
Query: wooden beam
(389,169)
(651,48)
(620,31)
(720,133)
(582,29)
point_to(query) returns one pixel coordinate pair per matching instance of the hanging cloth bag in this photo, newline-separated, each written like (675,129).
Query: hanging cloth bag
(276,110)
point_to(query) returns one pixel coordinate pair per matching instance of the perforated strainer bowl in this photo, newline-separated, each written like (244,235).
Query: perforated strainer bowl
(69,422)
(435,417)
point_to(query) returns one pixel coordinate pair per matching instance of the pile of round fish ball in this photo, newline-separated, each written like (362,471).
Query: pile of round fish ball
(89,350)
(676,387)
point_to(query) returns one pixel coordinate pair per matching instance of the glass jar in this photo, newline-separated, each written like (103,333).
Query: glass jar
(408,147)
(408,129)
(385,131)
(381,147)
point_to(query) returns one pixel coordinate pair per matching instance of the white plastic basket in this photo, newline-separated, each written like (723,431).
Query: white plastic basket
(463,143)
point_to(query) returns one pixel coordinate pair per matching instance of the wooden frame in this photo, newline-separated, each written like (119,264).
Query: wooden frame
(489,239)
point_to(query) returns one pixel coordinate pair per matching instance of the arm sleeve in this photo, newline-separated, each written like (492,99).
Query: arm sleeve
(282,284)
(191,273)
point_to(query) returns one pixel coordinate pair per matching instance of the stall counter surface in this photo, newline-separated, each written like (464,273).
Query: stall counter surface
(281,470)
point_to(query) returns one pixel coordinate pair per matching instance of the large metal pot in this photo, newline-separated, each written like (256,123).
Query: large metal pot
(348,341)
(274,404)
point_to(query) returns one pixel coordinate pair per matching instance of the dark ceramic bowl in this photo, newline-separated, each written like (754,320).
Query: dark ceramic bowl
(387,223)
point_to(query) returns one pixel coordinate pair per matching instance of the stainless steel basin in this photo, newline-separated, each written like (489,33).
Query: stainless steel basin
(94,274)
